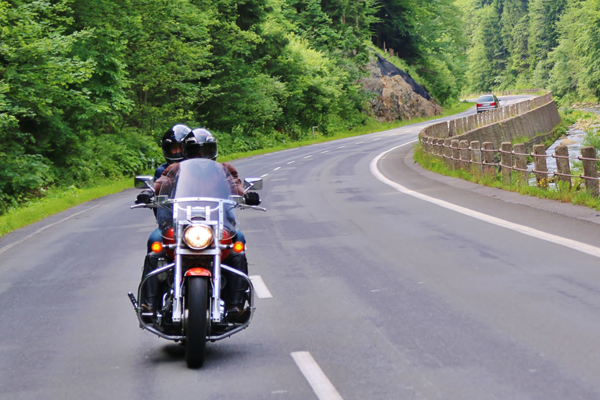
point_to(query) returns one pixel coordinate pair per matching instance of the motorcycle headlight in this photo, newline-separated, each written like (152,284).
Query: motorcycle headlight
(198,237)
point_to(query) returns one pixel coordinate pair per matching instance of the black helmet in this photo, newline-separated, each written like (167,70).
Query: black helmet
(176,134)
(200,143)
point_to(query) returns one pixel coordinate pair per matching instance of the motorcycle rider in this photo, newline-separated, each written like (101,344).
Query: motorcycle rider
(173,153)
(200,143)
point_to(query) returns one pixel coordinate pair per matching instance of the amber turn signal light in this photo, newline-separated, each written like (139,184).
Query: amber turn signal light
(238,247)
(156,247)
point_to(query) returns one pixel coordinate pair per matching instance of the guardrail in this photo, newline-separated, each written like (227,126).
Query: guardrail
(543,120)
(480,160)
(488,137)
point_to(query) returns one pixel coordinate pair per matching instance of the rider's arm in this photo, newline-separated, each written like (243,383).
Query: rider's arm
(165,177)
(234,174)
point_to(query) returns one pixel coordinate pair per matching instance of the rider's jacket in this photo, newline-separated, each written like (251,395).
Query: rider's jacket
(172,167)
(159,171)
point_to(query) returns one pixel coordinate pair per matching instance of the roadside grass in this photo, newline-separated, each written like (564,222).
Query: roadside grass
(577,194)
(59,199)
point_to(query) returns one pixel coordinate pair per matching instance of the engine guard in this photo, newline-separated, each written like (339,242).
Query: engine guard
(151,328)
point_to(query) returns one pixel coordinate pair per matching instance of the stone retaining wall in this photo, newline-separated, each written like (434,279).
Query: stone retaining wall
(528,118)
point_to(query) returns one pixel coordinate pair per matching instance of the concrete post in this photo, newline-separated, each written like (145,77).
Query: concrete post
(539,165)
(448,153)
(439,148)
(506,162)
(465,157)
(425,143)
(562,164)
(520,158)
(476,164)
(455,154)
(590,170)
(488,159)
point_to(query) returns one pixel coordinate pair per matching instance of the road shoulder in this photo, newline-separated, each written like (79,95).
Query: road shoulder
(566,209)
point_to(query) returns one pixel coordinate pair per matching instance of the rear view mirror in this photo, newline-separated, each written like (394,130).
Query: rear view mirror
(253,183)
(144,182)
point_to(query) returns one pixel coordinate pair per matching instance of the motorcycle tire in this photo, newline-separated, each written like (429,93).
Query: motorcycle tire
(197,304)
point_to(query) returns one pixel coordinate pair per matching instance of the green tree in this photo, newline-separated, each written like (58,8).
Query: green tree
(487,56)
(42,90)
(543,36)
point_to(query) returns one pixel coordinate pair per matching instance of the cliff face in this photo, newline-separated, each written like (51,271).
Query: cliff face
(397,95)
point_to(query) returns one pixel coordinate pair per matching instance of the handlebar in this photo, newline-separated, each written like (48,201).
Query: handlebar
(142,205)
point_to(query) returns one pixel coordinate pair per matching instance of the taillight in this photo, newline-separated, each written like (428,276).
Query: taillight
(479,105)
(493,104)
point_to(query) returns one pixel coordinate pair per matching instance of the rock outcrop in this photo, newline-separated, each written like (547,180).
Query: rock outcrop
(396,95)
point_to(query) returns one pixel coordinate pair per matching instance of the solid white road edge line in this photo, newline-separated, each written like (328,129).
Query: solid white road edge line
(572,244)
(2,250)
(260,288)
(315,376)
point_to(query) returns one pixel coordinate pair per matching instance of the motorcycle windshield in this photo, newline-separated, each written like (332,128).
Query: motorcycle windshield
(190,187)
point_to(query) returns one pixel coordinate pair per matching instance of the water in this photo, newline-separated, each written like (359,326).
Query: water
(575,137)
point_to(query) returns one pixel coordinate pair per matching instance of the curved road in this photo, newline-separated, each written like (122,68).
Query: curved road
(385,282)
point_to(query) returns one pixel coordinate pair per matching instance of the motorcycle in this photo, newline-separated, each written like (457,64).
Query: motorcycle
(195,208)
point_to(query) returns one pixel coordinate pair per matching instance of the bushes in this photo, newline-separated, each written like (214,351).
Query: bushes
(87,87)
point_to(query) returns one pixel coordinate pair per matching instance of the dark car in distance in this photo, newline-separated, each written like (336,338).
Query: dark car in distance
(487,102)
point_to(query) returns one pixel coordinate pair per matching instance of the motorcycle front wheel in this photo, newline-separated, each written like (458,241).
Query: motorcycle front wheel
(197,304)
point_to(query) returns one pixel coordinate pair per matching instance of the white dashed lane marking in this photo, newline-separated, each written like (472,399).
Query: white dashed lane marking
(315,376)
(323,152)
(260,288)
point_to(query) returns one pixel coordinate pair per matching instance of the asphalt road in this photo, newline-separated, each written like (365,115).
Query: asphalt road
(387,282)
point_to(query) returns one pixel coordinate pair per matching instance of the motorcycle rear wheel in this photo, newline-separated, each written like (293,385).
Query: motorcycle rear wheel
(197,304)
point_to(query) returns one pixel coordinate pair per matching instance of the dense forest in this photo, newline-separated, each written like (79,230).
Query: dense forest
(87,87)
(552,44)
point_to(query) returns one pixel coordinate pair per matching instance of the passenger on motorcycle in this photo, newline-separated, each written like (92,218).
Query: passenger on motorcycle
(200,143)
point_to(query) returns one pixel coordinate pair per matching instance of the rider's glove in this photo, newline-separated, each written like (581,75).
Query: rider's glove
(145,197)
(252,199)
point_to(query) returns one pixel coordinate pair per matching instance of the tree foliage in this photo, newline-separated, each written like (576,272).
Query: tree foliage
(87,87)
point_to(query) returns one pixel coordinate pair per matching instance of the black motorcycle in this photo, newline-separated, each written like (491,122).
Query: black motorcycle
(196,211)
